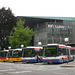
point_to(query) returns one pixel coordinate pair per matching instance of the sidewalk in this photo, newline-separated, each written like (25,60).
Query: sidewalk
(70,64)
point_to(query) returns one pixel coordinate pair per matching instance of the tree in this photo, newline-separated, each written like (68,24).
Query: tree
(21,35)
(7,21)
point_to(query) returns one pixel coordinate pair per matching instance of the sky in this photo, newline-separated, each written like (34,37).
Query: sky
(55,8)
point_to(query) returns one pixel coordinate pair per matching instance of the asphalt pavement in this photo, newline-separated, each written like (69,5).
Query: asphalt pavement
(19,68)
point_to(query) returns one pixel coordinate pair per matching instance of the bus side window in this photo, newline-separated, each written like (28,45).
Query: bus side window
(67,52)
(72,52)
(64,51)
(60,51)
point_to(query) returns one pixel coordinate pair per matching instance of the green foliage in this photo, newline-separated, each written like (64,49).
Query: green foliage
(7,22)
(21,35)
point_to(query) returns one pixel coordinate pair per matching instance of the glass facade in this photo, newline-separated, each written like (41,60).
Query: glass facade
(51,29)
(54,32)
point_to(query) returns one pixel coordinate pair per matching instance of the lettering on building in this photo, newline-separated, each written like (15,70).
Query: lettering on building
(56,26)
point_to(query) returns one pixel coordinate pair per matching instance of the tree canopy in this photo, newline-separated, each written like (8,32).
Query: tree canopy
(7,21)
(21,35)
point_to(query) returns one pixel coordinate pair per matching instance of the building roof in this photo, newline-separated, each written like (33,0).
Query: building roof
(55,18)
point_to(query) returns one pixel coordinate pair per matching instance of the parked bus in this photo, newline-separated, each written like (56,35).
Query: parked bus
(15,55)
(32,54)
(57,53)
(4,55)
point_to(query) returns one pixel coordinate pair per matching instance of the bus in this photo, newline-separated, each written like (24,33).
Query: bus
(32,54)
(15,55)
(4,55)
(57,53)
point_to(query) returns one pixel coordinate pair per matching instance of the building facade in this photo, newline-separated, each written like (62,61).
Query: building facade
(54,32)
(52,29)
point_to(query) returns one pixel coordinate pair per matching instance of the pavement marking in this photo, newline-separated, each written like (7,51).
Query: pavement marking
(20,72)
(1,73)
(7,70)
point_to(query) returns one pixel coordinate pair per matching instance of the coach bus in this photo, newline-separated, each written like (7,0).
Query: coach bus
(4,55)
(15,55)
(57,53)
(32,54)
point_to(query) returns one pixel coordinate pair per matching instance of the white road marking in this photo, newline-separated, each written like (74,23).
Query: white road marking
(20,72)
(1,73)
(7,70)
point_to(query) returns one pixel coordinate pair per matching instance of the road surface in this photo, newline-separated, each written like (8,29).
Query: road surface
(34,69)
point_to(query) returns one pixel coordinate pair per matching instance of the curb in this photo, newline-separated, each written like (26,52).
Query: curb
(68,66)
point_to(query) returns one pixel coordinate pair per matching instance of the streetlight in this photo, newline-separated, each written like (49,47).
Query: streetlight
(39,43)
(66,39)
(9,47)
(22,46)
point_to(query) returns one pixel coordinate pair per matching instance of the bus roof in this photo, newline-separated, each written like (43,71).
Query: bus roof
(60,45)
(54,45)
(6,50)
(33,47)
(18,49)
(70,47)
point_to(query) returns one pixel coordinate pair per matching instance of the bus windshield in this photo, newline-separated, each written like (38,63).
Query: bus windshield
(3,54)
(32,52)
(50,51)
(15,53)
(28,53)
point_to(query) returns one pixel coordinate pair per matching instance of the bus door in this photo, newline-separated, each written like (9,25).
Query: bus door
(38,54)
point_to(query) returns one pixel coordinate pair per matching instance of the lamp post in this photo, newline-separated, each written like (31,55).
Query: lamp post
(66,40)
(22,46)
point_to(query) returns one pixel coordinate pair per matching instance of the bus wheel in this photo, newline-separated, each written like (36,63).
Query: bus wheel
(48,63)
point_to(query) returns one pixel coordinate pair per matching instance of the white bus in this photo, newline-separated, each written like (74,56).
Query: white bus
(31,54)
(57,53)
